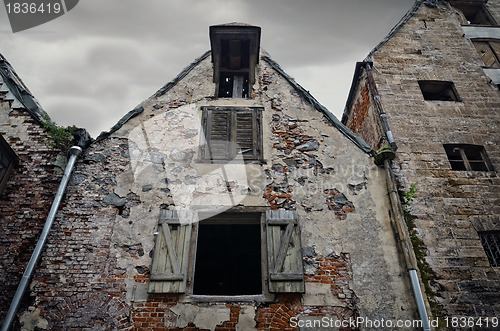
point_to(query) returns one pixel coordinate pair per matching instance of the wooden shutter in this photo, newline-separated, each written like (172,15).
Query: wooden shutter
(284,252)
(171,253)
(230,128)
(486,53)
(248,133)
(217,125)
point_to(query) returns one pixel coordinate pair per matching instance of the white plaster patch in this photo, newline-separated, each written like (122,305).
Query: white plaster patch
(246,319)
(31,320)
(203,317)
(320,295)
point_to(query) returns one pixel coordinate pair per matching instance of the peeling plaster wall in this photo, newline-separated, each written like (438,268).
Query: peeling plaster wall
(96,267)
(452,206)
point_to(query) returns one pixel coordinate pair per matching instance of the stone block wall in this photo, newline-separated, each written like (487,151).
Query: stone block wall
(451,206)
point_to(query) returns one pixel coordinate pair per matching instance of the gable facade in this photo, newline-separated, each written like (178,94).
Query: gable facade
(268,179)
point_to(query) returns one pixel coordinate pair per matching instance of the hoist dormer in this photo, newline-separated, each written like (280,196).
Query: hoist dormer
(235,54)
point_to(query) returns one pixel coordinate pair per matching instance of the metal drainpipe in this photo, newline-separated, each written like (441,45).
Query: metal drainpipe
(28,272)
(397,208)
(404,237)
(379,107)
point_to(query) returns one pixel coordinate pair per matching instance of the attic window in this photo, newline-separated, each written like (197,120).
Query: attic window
(228,256)
(491,244)
(468,157)
(235,54)
(474,13)
(231,132)
(435,90)
(7,161)
(489,50)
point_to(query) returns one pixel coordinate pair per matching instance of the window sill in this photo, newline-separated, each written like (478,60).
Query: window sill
(229,298)
(234,161)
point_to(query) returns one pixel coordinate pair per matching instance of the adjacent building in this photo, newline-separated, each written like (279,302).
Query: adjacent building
(430,90)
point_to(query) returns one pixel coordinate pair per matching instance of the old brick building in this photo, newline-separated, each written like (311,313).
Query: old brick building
(230,199)
(431,90)
(28,178)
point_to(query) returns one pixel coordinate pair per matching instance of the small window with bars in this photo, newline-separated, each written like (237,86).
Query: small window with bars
(489,51)
(468,157)
(231,133)
(491,245)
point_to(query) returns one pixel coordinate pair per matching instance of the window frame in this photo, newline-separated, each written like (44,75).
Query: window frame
(463,149)
(10,160)
(263,297)
(425,85)
(206,154)
(267,218)
(486,243)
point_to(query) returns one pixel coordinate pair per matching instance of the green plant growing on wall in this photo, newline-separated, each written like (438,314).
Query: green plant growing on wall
(426,273)
(62,137)
(410,195)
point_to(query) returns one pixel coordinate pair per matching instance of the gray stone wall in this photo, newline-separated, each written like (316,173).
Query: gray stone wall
(452,206)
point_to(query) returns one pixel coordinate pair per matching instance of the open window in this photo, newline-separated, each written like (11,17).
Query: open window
(8,159)
(491,244)
(473,13)
(489,51)
(228,255)
(468,157)
(436,90)
(232,254)
(235,54)
(231,132)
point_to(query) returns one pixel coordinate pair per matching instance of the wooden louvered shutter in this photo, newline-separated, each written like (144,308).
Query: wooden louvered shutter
(171,253)
(285,267)
(217,125)
(229,129)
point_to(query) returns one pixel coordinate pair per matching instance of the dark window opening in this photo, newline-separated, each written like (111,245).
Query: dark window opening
(489,51)
(235,54)
(231,133)
(475,14)
(228,256)
(433,90)
(468,157)
(233,85)
(7,161)
(234,69)
(491,245)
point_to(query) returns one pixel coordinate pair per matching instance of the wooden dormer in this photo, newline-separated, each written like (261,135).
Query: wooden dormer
(235,54)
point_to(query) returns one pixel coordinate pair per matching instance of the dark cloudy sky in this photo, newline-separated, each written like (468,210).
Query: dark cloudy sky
(92,65)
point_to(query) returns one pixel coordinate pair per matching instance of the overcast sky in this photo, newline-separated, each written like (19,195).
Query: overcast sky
(98,61)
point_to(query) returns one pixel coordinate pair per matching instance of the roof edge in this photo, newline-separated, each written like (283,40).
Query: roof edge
(167,87)
(304,94)
(17,87)
(400,24)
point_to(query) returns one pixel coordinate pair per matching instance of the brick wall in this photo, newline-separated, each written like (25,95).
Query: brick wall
(27,198)
(364,120)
